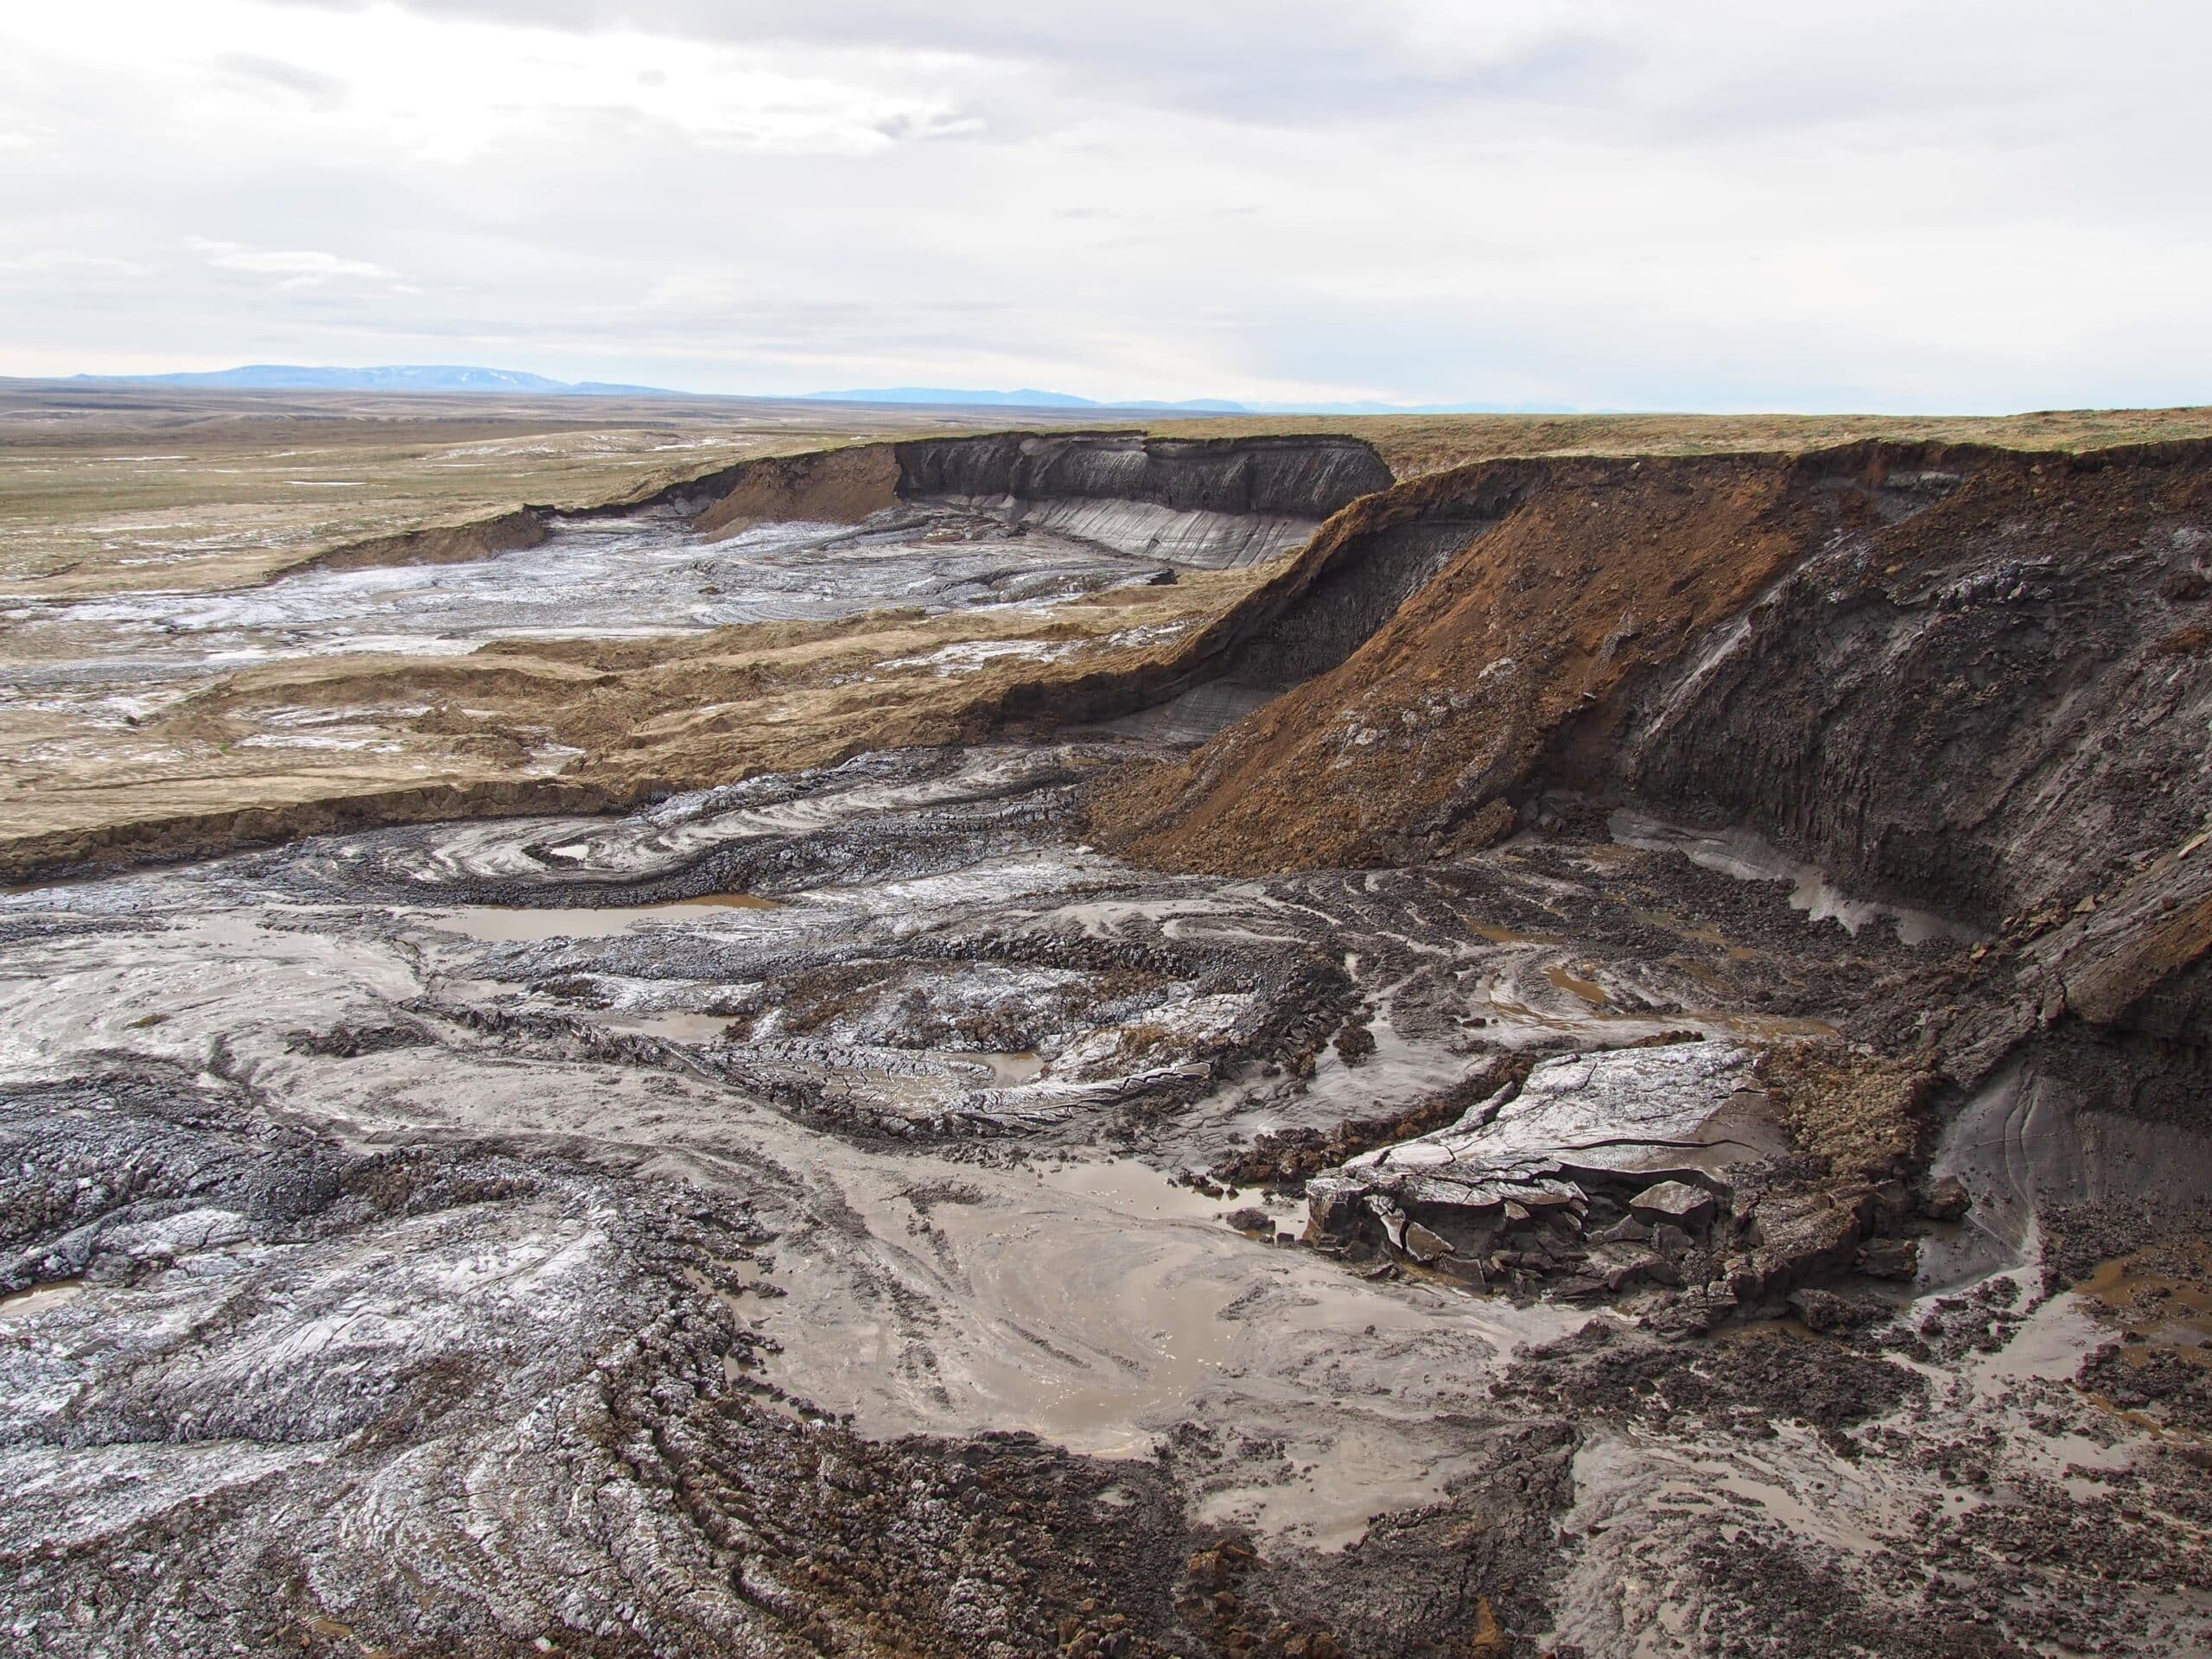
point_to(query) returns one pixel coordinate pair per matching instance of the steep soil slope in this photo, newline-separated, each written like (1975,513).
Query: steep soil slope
(1993,702)
(1592,569)
(829,486)
(1901,662)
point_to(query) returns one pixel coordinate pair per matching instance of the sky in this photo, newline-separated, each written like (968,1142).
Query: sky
(1933,205)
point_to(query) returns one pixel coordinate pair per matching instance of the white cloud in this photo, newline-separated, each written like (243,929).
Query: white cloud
(320,91)
(300,265)
(1592,202)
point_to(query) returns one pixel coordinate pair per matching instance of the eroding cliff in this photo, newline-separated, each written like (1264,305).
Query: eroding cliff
(1212,502)
(1969,679)
(1570,577)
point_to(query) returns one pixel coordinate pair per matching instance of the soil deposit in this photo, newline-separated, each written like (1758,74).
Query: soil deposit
(1076,1043)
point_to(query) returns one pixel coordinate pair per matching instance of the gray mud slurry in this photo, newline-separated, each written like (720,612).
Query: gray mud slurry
(28,1304)
(1748,856)
(640,574)
(859,1095)
(1094,1305)
(509,924)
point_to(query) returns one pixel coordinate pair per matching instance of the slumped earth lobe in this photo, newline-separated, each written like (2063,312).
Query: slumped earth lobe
(1500,1086)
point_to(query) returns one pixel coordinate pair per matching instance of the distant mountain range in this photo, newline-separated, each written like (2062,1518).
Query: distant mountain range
(288,377)
(434,377)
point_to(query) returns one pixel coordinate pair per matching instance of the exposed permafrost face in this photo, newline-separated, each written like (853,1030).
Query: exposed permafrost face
(1143,529)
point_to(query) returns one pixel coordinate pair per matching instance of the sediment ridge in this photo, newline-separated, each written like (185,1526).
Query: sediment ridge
(476,539)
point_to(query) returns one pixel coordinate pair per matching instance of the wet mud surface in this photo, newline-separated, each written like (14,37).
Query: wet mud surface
(114,665)
(844,1212)
(643,574)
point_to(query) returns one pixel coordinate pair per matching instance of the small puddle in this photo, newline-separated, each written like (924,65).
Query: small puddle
(1700,935)
(1769,1027)
(1007,1071)
(1748,856)
(1588,989)
(2157,1310)
(1505,935)
(698,1028)
(23,1304)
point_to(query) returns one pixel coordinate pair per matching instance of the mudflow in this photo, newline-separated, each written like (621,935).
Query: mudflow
(1092,1046)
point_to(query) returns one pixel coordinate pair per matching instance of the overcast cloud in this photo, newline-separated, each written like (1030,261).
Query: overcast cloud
(1947,206)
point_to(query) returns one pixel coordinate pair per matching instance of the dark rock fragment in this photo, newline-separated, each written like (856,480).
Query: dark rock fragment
(1672,1201)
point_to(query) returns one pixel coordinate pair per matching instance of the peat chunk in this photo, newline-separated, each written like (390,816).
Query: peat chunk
(1827,1312)
(1890,1258)
(1946,1199)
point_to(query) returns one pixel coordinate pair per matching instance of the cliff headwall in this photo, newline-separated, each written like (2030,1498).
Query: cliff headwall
(1969,679)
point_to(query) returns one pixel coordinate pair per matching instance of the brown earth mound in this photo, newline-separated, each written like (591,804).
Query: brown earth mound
(836,486)
(481,538)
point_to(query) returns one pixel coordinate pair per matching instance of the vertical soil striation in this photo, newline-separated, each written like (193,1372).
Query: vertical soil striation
(1286,476)
(1588,571)
(1970,679)
(1997,702)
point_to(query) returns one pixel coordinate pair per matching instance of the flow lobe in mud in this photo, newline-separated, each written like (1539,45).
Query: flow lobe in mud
(846,1211)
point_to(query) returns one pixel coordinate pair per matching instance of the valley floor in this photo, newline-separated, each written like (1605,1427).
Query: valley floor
(756,1224)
